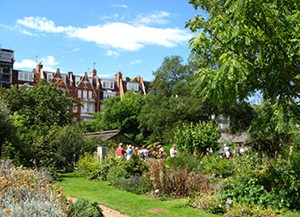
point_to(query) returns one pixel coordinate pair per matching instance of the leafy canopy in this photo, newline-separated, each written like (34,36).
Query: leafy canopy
(245,47)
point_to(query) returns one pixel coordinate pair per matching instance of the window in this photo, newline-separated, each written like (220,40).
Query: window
(84,94)
(90,94)
(64,77)
(108,84)
(101,108)
(132,86)
(49,77)
(107,95)
(79,94)
(75,110)
(25,76)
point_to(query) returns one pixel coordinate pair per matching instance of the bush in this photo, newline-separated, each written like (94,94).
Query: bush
(136,184)
(196,138)
(173,182)
(116,176)
(87,165)
(216,166)
(102,170)
(28,193)
(184,160)
(82,207)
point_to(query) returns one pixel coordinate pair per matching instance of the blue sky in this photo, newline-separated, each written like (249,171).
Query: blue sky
(131,36)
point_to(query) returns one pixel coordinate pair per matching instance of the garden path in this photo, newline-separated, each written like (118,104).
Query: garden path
(106,211)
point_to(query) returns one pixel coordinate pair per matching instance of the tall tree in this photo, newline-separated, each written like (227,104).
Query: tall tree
(120,114)
(170,103)
(37,111)
(247,47)
(6,124)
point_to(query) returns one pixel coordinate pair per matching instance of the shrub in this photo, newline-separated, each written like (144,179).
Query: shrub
(102,170)
(117,176)
(216,166)
(82,207)
(196,138)
(175,182)
(28,193)
(136,184)
(184,160)
(87,164)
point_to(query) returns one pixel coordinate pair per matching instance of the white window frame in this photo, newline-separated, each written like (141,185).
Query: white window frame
(132,86)
(84,94)
(26,76)
(108,84)
(79,94)
(49,77)
(90,94)
(108,94)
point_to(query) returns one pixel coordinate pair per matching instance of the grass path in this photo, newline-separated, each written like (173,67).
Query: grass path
(126,202)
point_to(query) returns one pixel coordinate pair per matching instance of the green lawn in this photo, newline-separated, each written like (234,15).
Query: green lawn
(126,202)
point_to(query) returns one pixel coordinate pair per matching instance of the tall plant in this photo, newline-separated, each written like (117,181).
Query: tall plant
(196,138)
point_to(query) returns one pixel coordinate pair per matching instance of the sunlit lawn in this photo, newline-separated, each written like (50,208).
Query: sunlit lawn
(126,202)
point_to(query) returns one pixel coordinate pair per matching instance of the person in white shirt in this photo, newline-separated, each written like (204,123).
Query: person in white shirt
(173,151)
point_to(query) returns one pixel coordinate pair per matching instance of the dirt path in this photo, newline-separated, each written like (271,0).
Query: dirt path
(107,212)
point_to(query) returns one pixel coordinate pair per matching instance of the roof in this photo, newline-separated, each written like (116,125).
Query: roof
(109,135)
(234,138)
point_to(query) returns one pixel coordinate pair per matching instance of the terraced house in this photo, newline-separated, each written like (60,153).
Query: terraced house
(89,91)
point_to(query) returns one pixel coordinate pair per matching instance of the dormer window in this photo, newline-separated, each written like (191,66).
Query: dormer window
(25,76)
(49,77)
(109,84)
(132,86)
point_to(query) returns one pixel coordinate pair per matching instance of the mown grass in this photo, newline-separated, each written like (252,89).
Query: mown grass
(126,202)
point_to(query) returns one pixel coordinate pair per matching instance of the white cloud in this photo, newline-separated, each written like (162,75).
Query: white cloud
(130,38)
(119,6)
(111,53)
(135,62)
(48,62)
(158,17)
(117,35)
(42,24)
(25,64)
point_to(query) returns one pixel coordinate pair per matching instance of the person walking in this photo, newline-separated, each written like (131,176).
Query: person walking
(226,151)
(120,152)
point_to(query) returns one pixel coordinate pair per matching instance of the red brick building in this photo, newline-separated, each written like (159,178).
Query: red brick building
(89,91)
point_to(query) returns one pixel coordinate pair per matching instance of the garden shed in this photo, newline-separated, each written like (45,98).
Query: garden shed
(114,135)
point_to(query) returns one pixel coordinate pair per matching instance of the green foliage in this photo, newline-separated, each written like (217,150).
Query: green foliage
(120,114)
(38,112)
(87,164)
(127,175)
(170,101)
(246,46)
(184,160)
(83,207)
(274,125)
(6,124)
(117,176)
(171,182)
(102,170)
(28,193)
(196,138)
(264,181)
(216,166)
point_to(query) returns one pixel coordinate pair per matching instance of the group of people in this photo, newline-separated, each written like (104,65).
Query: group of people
(125,151)
(121,152)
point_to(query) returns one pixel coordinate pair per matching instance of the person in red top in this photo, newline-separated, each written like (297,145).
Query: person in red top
(120,152)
